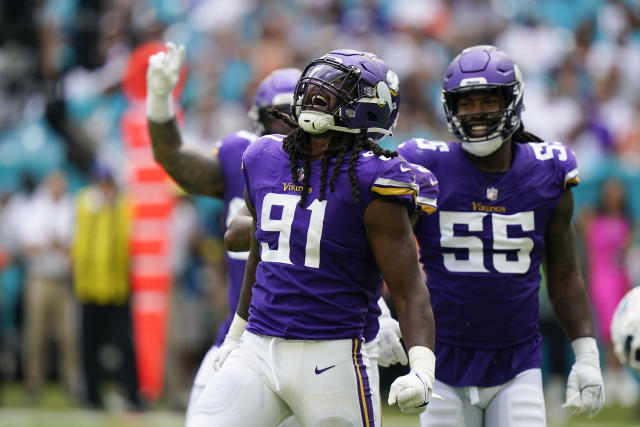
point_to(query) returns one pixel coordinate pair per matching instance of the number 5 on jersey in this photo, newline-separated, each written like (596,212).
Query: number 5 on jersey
(283,227)
(474,246)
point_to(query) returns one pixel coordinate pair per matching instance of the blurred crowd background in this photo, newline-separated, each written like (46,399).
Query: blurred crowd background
(61,67)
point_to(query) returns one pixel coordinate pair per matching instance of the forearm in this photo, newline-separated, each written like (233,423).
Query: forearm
(247,289)
(416,322)
(249,277)
(413,390)
(571,306)
(195,172)
(165,139)
(567,291)
(391,239)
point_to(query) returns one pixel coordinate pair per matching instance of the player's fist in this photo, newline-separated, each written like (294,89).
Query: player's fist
(412,391)
(163,71)
(585,391)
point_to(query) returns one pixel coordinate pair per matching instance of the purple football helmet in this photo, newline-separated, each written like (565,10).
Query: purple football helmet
(348,91)
(275,90)
(484,68)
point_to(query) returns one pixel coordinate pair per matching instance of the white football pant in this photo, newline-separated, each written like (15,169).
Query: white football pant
(516,403)
(266,380)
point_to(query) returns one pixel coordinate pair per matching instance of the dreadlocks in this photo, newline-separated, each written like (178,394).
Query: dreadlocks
(298,145)
(521,135)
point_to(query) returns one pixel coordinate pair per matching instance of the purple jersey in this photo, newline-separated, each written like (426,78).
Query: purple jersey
(482,251)
(317,277)
(229,151)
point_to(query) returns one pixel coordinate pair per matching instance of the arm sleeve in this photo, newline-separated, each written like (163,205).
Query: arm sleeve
(395,179)
(409,151)
(565,164)
(427,199)
(246,161)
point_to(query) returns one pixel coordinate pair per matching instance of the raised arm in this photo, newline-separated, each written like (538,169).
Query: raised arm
(391,239)
(196,172)
(570,303)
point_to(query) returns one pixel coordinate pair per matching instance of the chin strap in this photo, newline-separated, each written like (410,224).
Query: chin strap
(347,130)
(483,148)
(383,131)
(316,123)
(343,129)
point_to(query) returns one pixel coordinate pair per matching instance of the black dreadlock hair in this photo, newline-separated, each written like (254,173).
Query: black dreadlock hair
(298,145)
(521,135)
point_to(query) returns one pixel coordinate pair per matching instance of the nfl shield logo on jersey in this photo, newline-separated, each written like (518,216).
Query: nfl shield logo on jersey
(300,174)
(492,193)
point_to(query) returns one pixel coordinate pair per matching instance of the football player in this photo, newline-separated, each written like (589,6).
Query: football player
(330,214)
(215,174)
(504,208)
(382,332)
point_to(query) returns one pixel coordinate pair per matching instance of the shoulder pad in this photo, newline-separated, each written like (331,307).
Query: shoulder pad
(428,193)
(563,159)
(417,150)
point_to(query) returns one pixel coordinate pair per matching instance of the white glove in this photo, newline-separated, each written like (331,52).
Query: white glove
(163,73)
(390,350)
(585,391)
(231,341)
(413,391)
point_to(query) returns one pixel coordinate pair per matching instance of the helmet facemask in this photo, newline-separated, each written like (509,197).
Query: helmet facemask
(334,96)
(324,88)
(477,69)
(500,123)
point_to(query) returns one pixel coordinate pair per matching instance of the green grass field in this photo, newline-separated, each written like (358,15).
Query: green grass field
(56,410)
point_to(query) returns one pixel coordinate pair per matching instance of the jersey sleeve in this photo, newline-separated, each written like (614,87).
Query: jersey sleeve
(427,199)
(565,166)
(395,179)
(253,160)
(424,152)
(569,170)
(245,177)
(409,151)
(246,165)
(232,146)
